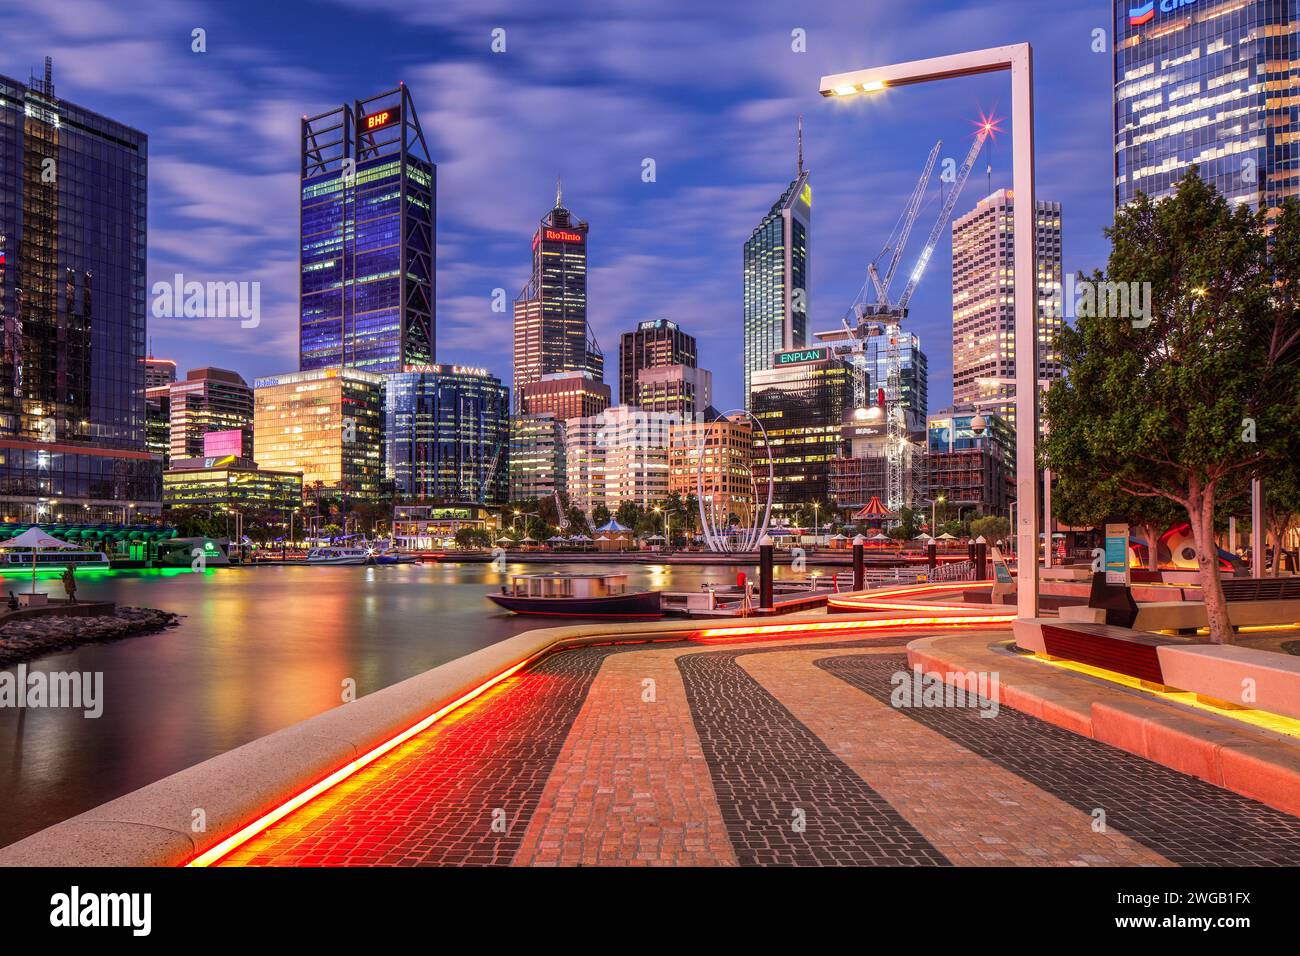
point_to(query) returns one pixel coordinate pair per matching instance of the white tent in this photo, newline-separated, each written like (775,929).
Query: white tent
(947,537)
(38,541)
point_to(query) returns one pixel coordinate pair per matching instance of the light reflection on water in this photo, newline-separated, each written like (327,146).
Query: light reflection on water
(259,649)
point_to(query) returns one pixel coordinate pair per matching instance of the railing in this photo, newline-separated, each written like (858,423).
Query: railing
(954,571)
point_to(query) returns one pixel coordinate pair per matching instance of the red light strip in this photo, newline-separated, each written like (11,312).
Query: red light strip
(219,850)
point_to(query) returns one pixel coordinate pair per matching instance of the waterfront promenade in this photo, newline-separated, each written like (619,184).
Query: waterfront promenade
(732,743)
(782,752)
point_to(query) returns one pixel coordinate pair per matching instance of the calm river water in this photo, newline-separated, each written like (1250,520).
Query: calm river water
(258,649)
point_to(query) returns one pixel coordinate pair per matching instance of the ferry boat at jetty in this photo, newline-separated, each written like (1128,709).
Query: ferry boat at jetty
(20,562)
(340,556)
(576,595)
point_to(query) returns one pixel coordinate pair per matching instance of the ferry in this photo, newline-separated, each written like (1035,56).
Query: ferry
(340,556)
(576,595)
(20,562)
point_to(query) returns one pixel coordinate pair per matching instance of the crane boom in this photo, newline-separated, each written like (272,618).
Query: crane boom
(937,230)
(911,211)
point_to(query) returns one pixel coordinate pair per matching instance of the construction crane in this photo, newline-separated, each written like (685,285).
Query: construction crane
(881,317)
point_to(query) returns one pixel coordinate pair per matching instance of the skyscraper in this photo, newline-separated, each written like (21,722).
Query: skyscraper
(565,394)
(983,302)
(367,237)
(447,434)
(653,344)
(324,423)
(73,193)
(801,402)
(1212,83)
(776,276)
(209,400)
(551,329)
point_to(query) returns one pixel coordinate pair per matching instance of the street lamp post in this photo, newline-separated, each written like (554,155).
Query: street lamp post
(1019,60)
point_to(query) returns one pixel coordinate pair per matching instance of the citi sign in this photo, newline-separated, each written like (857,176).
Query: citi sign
(1146,12)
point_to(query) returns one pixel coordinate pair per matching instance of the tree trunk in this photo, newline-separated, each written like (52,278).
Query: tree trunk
(1201,513)
(1153,555)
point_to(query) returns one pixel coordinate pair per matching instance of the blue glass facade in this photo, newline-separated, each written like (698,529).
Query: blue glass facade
(776,280)
(447,434)
(367,238)
(1211,83)
(73,195)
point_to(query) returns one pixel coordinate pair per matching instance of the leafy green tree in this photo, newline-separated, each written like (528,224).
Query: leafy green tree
(1088,497)
(991,527)
(600,515)
(470,538)
(1183,402)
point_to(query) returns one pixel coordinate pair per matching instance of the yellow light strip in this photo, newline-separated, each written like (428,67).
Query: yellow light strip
(1246,715)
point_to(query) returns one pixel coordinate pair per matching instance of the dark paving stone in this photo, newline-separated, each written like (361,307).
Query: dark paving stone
(766,765)
(1186,820)
(431,802)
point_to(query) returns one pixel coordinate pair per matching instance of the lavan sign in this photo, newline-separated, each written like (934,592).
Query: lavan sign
(1144,13)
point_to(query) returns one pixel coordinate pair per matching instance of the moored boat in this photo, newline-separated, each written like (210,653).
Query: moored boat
(576,595)
(339,556)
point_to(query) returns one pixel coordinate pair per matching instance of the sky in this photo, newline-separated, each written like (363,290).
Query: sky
(586,91)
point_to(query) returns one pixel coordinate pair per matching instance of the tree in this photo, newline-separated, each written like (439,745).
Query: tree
(991,527)
(469,538)
(1087,497)
(1200,391)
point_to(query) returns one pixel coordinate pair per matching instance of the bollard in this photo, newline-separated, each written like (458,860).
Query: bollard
(932,555)
(859,572)
(765,573)
(981,559)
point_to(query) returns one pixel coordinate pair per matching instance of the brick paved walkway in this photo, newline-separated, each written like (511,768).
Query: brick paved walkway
(776,753)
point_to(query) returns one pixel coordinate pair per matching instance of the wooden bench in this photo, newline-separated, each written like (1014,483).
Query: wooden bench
(1112,648)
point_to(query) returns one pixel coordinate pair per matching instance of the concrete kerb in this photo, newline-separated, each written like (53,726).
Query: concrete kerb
(156,825)
(1255,763)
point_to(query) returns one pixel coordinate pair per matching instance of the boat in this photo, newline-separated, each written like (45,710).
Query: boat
(339,556)
(394,557)
(576,595)
(20,562)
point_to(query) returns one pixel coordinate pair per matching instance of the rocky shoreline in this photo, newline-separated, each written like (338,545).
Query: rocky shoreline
(25,639)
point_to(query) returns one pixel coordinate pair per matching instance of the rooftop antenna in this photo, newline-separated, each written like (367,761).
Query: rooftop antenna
(799,169)
(559,193)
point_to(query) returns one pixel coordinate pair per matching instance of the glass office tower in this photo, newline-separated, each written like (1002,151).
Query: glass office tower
(447,434)
(367,238)
(801,401)
(776,277)
(73,191)
(1211,83)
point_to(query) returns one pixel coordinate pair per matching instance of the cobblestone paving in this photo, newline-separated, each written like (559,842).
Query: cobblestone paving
(435,799)
(1186,820)
(974,812)
(785,797)
(631,786)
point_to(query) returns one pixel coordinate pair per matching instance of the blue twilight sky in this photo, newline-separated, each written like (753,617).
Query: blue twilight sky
(585,90)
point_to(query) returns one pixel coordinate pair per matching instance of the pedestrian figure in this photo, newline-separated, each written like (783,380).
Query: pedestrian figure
(70,583)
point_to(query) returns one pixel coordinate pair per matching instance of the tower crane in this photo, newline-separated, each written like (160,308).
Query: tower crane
(880,317)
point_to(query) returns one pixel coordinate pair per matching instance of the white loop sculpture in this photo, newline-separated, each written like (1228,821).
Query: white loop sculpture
(721,541)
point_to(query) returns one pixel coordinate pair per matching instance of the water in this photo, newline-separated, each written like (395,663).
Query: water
(258,649)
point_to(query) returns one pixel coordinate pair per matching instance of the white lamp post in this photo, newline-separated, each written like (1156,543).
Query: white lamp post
(1019,59)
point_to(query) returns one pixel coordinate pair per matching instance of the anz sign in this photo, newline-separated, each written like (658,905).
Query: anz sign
(1143,13)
